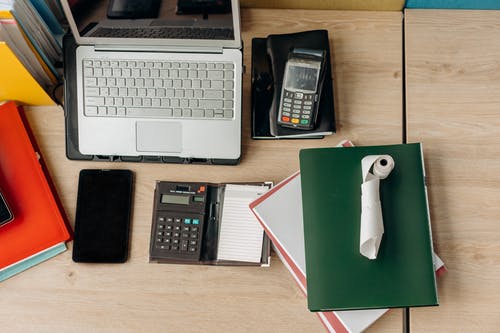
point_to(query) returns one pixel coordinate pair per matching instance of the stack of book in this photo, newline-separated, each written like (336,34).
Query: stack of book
(284,212)
(39,229)
(31,50)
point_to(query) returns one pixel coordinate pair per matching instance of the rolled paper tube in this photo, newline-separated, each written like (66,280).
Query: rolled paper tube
(374,168)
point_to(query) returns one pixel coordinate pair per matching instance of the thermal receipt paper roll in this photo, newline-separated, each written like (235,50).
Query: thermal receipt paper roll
(374,168)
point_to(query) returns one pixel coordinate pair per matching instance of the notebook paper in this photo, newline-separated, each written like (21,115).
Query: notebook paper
(241,234)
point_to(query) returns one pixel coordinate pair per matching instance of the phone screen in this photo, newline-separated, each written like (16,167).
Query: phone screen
(103,216)
(5,214)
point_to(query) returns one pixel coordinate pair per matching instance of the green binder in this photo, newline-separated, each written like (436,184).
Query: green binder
(338,276)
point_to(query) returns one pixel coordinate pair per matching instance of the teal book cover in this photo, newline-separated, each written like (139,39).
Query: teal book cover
(338,276)
(453,4)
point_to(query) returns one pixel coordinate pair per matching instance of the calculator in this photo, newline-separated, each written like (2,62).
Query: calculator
(301,89)
(178,221)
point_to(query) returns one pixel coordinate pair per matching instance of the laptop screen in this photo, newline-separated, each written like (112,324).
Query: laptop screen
(151,21)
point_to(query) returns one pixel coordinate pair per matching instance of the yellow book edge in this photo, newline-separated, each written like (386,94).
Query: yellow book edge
(5,14)
(16,83)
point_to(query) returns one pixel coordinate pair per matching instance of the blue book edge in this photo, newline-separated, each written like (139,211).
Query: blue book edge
(31,261)
(453,4)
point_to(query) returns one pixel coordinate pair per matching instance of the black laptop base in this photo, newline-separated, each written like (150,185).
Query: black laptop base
(71,122)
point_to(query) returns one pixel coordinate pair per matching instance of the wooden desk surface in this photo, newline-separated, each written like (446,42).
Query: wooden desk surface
(453,107)
(61,296)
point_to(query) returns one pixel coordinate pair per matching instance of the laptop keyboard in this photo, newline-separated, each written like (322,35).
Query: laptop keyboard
(166,32)
(158,89)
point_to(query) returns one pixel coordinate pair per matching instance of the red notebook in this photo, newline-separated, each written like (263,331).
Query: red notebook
(39,225)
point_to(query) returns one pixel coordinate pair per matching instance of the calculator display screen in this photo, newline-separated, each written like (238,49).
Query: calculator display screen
(174,199)
(302,78)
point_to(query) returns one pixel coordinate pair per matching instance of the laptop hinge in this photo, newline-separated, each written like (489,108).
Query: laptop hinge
(159,48)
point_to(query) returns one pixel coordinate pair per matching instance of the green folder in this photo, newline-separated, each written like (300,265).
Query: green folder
(338,276)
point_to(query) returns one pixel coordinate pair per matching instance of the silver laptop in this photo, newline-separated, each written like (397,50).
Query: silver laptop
(153,82)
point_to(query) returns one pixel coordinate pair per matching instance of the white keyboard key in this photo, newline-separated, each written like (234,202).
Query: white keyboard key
(149,112)
(91,110)
(91,91)
(198,113)
(90,82)
(155,102)
(88,71)
(215,75)
(217,85)
(97,101)
(210,103)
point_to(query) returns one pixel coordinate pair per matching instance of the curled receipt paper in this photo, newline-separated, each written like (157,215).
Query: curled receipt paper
(374,168)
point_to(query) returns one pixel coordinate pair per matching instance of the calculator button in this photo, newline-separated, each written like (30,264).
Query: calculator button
(187,221)
(192,249)
(176,234)
(287,100)
(194,235)
(160,233)
(194,229)
(185,228)
(170,220)
(299,95)
(161,226)
(159,239)
(196,221)
(184,245)
(164,247)
(177,220)
(161,219)
(285,119)
(175,241)
(295,120)
(192,242)
(167,240)
(169,227)
(177,228)
(304,122)
(287,105)
(184,235)
(174,248)
(286,114)
(167,233)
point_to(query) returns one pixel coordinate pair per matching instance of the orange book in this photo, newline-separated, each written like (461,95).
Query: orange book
(39,229)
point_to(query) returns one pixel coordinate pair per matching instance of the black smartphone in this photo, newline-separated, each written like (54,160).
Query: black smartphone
(303,77)
(133,9)
(102,219)
(5,213)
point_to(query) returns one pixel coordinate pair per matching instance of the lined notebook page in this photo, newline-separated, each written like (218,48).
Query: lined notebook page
(241,235)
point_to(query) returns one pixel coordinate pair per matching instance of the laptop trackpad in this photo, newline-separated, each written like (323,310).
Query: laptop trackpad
(159,136)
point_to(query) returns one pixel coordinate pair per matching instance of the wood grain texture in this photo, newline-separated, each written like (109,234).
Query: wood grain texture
(453,107)
(61,296)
